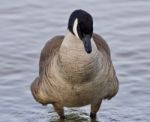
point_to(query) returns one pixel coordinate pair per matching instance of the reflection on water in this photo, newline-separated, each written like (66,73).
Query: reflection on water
(26,25)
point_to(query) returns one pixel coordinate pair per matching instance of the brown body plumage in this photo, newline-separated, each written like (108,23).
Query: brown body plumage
(70,77)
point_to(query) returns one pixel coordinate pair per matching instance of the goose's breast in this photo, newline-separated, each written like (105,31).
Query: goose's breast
(78,66)
(85,93)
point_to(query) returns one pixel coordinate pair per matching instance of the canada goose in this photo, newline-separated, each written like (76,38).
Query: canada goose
(75,69)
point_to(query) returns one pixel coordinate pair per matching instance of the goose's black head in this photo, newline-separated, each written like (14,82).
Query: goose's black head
(81,25)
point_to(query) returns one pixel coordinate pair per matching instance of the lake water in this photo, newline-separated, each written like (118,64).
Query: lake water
(25,26)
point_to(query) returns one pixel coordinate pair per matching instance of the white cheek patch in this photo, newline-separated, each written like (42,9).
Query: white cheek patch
(75,27)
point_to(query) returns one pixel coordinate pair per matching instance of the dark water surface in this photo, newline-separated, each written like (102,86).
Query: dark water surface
(25,26)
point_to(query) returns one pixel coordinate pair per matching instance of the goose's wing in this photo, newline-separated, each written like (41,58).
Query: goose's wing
(49,50)
(101,43)
(102,46)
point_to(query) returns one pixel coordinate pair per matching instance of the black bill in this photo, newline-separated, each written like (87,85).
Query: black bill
(87,43)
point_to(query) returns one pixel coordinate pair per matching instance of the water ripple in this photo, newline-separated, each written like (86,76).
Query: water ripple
(27,25)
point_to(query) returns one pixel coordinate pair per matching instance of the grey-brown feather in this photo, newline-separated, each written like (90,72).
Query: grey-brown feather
(49,50)
(53,45)
(41,89)
(101,43)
